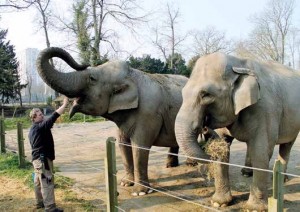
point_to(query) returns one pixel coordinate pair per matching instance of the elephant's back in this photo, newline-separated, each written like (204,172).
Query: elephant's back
(170,80)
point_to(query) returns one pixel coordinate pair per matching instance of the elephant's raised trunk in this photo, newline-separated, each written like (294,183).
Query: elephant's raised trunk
(69,84)
(187,138)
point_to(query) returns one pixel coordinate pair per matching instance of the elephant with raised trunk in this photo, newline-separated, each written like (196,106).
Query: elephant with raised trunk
(143,106)
(258,102)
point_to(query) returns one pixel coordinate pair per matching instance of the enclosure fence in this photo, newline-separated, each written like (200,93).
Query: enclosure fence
(111,200)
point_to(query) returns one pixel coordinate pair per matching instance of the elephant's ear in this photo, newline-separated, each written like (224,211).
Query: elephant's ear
(246,90)
(125,96)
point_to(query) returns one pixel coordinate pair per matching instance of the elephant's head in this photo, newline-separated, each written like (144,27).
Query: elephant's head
(220,87)
(98,90)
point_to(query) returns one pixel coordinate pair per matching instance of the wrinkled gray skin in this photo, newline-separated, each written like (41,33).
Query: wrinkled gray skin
(257,102)
(142,105)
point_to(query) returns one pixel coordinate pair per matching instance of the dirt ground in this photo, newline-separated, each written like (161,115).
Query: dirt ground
(80,150)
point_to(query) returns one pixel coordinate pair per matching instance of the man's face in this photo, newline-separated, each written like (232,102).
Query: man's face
(39,117)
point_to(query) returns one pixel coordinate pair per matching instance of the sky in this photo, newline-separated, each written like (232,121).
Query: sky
(231,16)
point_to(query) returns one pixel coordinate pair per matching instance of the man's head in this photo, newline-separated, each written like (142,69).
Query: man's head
(36,115)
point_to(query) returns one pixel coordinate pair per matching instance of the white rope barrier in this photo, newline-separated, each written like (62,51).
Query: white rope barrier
(206,160)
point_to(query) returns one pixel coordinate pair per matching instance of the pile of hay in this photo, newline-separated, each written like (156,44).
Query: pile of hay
(218,149)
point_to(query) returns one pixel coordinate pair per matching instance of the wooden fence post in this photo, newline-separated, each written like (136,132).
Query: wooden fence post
(2,136)
(110,175)
(21,145)
(275,203)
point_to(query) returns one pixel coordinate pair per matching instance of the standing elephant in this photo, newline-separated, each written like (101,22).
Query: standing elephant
(257,102)
(143,106)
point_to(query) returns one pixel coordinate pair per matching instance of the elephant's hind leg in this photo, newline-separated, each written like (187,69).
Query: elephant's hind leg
(172,160)
(284,155)
(247,172)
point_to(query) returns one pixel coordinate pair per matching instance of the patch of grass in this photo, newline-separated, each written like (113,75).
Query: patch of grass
(11,123)
(9,167)
(63,182)
(71,197)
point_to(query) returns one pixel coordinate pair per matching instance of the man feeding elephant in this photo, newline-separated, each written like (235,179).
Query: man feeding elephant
(143,106)
(42,145)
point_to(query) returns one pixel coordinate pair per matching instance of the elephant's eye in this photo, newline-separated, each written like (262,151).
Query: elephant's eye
(92,78)
(206,97)
(204,94)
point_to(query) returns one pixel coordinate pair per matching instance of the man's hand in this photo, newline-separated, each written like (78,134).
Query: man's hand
(66,101)
(61,109)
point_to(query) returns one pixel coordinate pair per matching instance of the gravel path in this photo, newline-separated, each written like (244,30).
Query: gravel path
(80,152)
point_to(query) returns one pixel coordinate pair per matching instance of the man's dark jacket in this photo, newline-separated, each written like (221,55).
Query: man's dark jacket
(41,139)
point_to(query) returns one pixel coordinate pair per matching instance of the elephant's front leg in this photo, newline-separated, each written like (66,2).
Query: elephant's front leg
(222,195)
(140,158)
(126,154)
(260,153)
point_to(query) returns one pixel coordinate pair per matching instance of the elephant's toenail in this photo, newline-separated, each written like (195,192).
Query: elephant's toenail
(150,191)
(215,204)
(142,193)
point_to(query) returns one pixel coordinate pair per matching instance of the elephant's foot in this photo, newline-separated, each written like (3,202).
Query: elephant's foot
(221,199)
(142,190)
(191,162)
(258,205)
(172,161)
(127,180)
(247,172)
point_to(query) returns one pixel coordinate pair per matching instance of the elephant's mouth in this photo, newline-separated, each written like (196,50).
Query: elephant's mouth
(207,121)
(214,123)
(75,108)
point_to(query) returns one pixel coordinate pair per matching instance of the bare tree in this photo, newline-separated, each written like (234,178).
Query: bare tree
(293,43)
(210,40)
(44,9)
(16,4)
(167,38)
(242,49)
(272,26)
(104,19)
